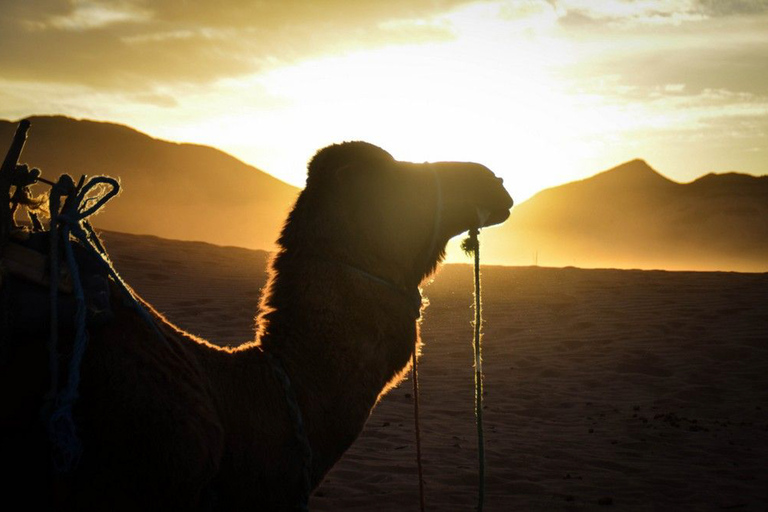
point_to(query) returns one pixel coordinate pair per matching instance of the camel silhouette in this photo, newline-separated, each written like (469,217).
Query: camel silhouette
(180,423)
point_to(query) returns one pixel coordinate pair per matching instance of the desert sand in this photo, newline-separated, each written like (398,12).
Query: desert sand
(605,389)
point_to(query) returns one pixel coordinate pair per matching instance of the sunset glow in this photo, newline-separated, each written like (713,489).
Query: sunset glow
(340,255)
(541,92)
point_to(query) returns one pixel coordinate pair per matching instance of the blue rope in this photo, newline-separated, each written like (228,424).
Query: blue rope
(62,427)
(67,447)
(299,431)
(66,224)
(54,292)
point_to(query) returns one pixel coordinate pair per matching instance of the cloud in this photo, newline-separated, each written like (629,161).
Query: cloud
(626,13)
(701,51)
(623,13)
(124,45)
(727,61)
(629,13)
(733,7)
(89,15)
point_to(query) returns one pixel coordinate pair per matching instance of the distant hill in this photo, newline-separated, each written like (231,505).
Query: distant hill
(180,191)
(633,217)
(627,217)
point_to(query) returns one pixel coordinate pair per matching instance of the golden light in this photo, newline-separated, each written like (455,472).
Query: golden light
(490,93)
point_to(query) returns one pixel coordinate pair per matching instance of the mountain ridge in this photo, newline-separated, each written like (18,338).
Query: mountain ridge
(628,216)
(631,216)
(129,131)
(172,190)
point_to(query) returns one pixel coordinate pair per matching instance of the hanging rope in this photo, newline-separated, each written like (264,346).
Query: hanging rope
(471,245)
(417,426)
(433,245)
(67,220)
(299,430)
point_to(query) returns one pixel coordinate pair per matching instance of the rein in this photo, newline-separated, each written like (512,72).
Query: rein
(471,245)
(299,432)
(70,221)
(415,299)
(414,358)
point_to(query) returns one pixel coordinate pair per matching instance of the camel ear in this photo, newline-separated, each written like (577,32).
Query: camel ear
(340,159)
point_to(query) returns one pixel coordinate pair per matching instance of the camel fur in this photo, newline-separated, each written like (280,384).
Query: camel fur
(182,424)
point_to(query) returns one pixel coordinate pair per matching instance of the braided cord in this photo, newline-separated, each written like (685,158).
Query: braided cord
(69,221)
(476,342)
(72,221)
(471,245)
(417,426)
(294,411)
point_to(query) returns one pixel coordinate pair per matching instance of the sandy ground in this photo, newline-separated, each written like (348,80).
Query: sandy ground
(605,389)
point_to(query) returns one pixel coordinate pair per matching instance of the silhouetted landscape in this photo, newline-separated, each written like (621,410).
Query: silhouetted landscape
(627,217)
(633,217)
(180,191)
(606,389)
(603,387)
(288,315)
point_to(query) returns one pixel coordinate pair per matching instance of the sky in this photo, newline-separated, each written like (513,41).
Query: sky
(542,92)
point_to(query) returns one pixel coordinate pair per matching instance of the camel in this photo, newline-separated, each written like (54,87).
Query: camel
(182,424)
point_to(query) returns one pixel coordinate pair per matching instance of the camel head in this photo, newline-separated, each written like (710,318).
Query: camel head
(390,218)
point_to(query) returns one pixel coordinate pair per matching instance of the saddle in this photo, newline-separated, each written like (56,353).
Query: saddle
(25,288)
(26,295)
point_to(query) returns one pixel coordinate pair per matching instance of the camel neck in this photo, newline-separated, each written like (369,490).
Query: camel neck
(412,297)
(344,338)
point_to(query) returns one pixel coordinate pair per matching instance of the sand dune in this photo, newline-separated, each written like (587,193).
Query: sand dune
(637,390)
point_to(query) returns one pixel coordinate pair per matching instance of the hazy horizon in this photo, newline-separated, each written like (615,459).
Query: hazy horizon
(265,285)
(693,175)
(629,216)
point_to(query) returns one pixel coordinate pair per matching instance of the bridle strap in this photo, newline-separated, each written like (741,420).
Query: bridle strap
(438,213)
(414,358)
(413,297)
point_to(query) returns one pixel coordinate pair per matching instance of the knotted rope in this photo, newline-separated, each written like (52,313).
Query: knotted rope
(471,245)
(22,178)
(68,222)
(65,221)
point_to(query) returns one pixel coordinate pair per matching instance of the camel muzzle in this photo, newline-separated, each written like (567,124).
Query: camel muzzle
(496,208)
(470,188)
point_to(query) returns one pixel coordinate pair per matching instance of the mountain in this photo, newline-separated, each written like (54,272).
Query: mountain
(626,217)
(633,217)
(180,191)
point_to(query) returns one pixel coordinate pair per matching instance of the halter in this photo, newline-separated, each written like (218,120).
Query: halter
(415,300)
(438,213)
(414,296)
